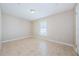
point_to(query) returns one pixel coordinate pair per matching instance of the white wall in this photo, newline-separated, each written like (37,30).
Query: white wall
(60,27)
(0,29)
(14,27)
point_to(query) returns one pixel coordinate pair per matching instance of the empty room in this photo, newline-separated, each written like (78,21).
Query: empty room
(39,29)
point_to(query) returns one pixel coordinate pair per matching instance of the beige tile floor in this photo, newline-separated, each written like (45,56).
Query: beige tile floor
(35,47)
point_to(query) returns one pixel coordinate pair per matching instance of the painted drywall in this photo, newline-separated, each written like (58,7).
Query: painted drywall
(14,27)
(0,29)
(77,27)
(60,27)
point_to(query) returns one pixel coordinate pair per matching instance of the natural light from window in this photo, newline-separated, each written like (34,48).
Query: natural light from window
(43,28)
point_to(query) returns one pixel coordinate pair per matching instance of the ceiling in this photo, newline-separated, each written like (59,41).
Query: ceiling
(22,10)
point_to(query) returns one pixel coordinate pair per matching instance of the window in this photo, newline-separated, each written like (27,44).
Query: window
(43,28)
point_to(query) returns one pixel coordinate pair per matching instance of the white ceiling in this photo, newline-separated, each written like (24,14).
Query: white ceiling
(41,9)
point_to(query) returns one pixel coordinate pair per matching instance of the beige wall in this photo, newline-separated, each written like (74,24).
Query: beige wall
(60,27)
(14,27)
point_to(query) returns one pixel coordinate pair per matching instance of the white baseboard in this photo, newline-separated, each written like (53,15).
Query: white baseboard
(44,39)
(59,42)
(19,38)
(71,45)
